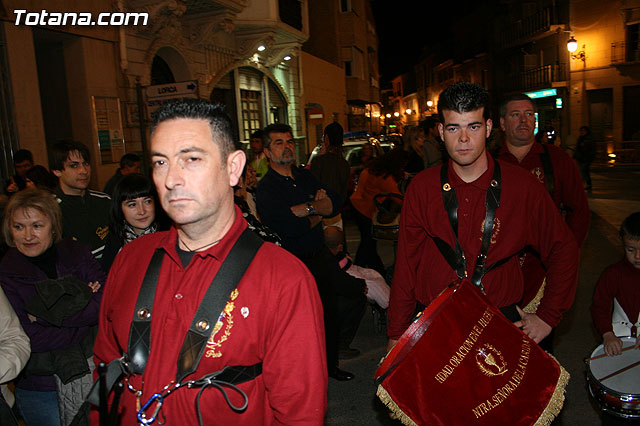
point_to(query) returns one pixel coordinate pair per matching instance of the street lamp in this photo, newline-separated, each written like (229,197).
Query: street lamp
(572,46)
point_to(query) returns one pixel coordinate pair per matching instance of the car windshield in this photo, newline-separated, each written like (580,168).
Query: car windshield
(352,150)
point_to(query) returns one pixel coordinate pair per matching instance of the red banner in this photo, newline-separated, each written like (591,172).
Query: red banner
(462,362)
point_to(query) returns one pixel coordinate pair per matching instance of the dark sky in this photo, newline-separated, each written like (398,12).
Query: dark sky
(405,27)
(401,32)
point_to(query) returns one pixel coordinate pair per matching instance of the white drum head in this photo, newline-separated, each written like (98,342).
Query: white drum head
(627,382)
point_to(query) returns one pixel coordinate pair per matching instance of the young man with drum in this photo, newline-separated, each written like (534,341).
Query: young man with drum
(526,216)
(616,313)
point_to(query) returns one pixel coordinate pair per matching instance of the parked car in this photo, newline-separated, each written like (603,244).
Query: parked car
(352,152)
(352,147)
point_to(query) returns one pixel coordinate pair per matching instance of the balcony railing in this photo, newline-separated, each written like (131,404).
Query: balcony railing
(622,52)
(537,78)
(527,27)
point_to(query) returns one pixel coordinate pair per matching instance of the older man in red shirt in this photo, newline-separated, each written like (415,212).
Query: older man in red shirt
(271,328)
(526,216)
(556,171)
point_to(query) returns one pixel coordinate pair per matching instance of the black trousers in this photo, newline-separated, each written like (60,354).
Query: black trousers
(367,255)
(318,266)
(351,310)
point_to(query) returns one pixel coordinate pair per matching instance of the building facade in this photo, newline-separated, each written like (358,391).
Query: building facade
(99,84)
(525,50)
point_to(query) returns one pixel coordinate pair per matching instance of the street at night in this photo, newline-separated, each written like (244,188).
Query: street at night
(224,212)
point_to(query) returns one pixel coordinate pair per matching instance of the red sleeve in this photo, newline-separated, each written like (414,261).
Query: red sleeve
(602,306)
(294,367)
(559,253)
(411,241)
(573,196)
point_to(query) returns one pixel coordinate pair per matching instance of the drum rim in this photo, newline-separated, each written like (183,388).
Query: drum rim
(633,398)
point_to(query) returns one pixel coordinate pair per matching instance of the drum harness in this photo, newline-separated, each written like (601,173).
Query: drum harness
(208,313)
(550,180)
(456,258)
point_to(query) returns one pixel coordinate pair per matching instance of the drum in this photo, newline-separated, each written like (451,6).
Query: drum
(462,362)
(618,395)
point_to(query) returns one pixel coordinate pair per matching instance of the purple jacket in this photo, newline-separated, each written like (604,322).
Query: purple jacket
(18,276)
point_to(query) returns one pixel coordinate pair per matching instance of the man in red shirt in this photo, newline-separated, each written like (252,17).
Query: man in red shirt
(272,319)
(526,216)
(559,175)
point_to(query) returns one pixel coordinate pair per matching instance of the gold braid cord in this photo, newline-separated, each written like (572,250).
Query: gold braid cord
(532,306)
(550,412)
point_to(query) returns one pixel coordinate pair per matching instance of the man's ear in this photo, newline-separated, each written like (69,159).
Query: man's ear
(441,130)
(235,165)
(58,173)
(502,123)
(489,126)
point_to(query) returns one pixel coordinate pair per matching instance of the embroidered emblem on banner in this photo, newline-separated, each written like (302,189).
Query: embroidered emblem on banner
(213,345)
(490,361)
(244,311)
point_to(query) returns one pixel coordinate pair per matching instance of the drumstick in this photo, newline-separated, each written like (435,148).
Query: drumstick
(623,369)
(604,355)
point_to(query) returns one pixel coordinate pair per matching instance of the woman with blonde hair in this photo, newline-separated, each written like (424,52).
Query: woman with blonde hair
(54,286)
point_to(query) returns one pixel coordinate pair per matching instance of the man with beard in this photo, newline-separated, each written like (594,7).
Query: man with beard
(292,202)
(557,172)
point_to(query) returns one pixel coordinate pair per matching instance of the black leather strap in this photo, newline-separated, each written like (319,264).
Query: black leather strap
(457,259)
(491,203)
(547,167)
(211,306)
(214,301)
(140,333)
(450,201)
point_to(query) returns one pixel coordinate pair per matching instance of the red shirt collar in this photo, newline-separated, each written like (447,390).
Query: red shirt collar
(218,251)
(482,182)
(536,149)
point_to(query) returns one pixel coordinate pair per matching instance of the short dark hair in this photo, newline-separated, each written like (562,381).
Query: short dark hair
(60,153)
(513,98)
(463,97)
(631,227)
(257,134)
(428,123)
(274,128)
(129,160)
(335,133)
(129,187)
(42,177)
(198,109)
(22,155)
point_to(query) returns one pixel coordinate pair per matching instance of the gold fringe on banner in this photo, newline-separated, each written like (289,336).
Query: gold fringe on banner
(399,414)
(550,412)
(556,402)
